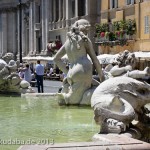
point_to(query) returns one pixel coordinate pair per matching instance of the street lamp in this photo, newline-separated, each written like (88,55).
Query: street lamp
(20,30)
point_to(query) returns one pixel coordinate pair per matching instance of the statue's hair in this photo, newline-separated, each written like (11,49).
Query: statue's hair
(80,25)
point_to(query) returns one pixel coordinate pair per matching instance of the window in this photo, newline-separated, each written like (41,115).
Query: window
(37,17)
(81,7)
(73,8)
(146,20)
(113,4)
(0,22)
(129,2)
(57,9)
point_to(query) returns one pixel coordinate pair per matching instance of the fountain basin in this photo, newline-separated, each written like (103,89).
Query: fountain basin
(42,119)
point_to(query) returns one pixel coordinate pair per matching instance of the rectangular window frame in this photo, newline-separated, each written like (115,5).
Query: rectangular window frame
(113,4)
(130,2)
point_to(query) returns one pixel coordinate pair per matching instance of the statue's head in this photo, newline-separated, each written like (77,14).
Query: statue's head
(12,65)
(7,57)
(82,25)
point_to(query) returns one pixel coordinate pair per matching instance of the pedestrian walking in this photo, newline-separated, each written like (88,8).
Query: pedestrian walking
(39,70)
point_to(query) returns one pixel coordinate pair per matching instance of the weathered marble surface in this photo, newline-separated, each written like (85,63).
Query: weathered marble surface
(118,101)
(25,87)
(125,65)
(10,82)
(9,79)
(79,75)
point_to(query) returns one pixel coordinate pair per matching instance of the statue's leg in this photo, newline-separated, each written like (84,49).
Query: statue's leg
(76,91)
(75,94)
(79,78)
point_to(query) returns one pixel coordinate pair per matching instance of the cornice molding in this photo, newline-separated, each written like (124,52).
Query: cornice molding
(8,9)
(13,7)
(118,9)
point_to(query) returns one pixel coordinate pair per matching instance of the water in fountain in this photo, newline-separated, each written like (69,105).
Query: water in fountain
(36,118)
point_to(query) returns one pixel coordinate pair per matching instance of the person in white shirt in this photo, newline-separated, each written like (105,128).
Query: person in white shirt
(50,71)
(27,73)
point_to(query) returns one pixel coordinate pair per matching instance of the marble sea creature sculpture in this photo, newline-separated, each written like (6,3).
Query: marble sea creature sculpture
(2,64)
(25,87)
(118,101)
(9,79)
(7,57)
(125,65)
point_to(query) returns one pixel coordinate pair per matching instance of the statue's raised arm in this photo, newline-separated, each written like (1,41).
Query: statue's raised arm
(95,61)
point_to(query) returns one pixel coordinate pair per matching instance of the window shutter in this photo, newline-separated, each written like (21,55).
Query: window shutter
(147,24)
(111,4)
(145,18)
(128,2)
(132,2)
(146,27)
(0,22)
(116,3)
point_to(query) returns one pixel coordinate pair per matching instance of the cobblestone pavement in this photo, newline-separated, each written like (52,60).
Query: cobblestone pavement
(50,86)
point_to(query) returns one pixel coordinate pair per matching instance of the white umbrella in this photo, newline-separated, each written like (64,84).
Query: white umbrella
(106,58)
(142,54)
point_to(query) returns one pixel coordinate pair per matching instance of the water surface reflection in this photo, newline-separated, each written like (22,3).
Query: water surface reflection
(41,118)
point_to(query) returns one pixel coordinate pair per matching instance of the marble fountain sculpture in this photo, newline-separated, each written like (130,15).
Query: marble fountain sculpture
(79,75)
(119,102)
(10,82)
(119,97)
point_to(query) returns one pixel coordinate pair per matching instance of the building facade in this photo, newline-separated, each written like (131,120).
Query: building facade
(26,26)
(118,10)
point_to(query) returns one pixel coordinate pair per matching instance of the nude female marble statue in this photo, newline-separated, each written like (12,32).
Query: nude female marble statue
(79,75)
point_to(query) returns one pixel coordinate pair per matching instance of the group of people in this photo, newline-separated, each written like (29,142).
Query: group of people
(55,72)
(28,75)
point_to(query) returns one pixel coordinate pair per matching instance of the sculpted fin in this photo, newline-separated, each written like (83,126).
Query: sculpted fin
(116,104)
(130,92)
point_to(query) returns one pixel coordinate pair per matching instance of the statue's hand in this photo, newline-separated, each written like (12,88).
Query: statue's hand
(14,78)
(11,75)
